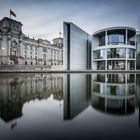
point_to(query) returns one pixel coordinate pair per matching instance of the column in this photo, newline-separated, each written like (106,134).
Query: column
(105,59)
(126,38)
(9,45)
(135,54)
(9,48)
(106,43)
(106,39)
(20,47)
(126,59)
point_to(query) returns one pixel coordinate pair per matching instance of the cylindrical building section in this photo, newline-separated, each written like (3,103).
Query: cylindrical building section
(114,49)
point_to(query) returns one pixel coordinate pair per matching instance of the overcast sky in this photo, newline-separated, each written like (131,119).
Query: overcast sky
(44,18)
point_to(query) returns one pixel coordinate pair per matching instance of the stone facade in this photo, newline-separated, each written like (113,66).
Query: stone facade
(17,48)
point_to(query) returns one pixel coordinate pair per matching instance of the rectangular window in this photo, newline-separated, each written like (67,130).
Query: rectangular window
(99,54)
(116,53)
(131,53)
(44,49)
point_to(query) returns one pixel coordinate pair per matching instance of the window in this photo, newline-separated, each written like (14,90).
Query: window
(131,53)
(99,54)
(13,53)
(101,65)
(44,49)
(116,65)
(44,57)
(14,44)
(116,53)
(116,39)
(102,40)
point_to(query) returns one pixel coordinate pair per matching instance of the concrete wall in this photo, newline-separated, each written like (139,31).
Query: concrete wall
(77,48)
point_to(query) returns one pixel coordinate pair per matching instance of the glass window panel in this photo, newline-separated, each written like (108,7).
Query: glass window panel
(102,40)
(131,53)
(99,54)
(116,53)
(116,39)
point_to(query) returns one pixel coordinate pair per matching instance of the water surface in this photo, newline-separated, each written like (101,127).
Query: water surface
(69,106)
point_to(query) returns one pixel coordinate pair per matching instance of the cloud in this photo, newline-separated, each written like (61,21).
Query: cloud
(44,18)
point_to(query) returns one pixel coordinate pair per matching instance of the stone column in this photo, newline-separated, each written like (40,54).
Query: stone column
(20,46)
(9,45)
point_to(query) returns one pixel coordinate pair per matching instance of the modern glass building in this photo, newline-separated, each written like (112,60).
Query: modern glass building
(114,49)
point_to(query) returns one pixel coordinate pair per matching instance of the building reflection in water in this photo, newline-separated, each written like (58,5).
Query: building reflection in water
(116,94)
(15,90)
(77,89)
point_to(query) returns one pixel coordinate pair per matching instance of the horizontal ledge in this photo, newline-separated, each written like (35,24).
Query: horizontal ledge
(70,71)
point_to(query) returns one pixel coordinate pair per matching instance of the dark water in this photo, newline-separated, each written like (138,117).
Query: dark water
(73,106)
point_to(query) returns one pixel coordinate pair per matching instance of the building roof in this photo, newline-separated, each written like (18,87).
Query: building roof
(133,30)
(9,19)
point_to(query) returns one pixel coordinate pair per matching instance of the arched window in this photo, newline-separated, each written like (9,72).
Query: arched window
(14,44)
(25,62)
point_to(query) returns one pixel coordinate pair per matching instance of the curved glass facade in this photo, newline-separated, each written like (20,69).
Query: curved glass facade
(116,39)
(116,53)
(116,65)
(99,54)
